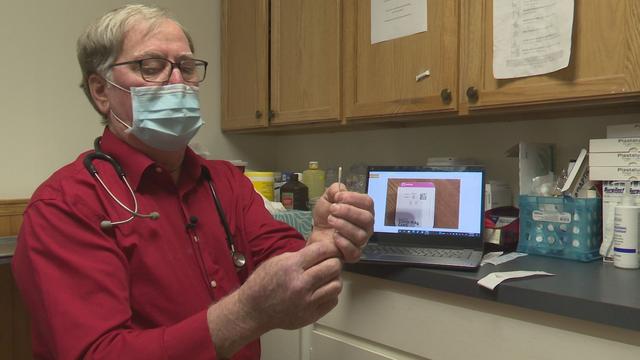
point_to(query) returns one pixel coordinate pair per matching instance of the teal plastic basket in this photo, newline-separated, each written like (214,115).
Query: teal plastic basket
(561,227)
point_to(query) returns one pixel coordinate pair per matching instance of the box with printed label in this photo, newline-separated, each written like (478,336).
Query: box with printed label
(562,227)
(614,145)
(630,158)
(614,173)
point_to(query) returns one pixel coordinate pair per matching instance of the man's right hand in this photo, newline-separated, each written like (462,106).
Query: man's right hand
(288,291)
(294,289)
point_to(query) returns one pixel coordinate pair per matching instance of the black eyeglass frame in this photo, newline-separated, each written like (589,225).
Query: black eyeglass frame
(173,66)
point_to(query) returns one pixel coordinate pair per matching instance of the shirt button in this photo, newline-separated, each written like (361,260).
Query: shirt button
(158,169)
(214,284)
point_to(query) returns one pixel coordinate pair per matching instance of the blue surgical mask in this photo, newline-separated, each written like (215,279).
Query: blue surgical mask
(164,117)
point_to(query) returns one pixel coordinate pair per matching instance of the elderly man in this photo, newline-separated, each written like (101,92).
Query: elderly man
(174,257)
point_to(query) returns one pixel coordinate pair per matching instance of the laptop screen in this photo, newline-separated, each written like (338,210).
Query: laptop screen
(433,201)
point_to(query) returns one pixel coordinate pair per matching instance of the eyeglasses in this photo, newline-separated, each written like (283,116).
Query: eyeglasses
(159,70)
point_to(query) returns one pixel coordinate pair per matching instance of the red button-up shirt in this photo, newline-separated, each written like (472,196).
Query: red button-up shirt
(139,290)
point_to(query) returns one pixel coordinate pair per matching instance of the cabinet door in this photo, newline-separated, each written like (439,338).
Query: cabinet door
(244,63)
(380,79)
(305,61)
(604,63)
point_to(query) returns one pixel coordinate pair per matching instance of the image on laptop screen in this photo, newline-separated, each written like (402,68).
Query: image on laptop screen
(428,201)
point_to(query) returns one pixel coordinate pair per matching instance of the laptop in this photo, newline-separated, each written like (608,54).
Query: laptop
(426,216)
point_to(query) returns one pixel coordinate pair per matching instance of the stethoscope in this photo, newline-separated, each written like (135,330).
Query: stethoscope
(238,258)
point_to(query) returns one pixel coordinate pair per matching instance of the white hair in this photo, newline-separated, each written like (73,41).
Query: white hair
(101,43)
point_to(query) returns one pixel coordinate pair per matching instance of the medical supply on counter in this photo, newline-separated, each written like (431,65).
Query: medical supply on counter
(614,159)
(577,182)
(263,182)
(534,160)
(298,219)
(281,178)
(612,192)
(562,227)
(501,228)
(294,195)
(314,177)
(625,232)
(497,194)
(356,178)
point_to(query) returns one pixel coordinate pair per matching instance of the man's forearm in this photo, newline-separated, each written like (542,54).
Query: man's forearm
(231,325)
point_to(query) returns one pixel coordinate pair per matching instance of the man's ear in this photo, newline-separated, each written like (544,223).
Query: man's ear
(98,90)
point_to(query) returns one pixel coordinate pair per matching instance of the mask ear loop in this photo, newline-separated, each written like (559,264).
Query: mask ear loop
(120,120)
(116,85)
(111,111)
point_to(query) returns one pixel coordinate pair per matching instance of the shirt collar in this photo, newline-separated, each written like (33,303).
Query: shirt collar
(135,163)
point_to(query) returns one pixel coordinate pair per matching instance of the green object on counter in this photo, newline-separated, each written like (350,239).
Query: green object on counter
(298,219)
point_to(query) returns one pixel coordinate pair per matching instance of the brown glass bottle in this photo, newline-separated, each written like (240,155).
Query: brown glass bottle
(294,195)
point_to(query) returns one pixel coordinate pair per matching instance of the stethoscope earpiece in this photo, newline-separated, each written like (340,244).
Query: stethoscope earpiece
(106,224)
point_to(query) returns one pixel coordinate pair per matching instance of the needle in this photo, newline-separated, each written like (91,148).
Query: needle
(339,178)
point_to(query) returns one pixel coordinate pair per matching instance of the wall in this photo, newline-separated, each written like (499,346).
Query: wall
(46,119)
(486,141)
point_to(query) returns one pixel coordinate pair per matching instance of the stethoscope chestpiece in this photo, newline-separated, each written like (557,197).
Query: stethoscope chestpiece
(238,259)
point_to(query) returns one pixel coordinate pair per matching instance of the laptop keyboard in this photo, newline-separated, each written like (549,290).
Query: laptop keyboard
(402,250)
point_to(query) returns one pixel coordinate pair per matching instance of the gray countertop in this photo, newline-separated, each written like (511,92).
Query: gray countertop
(592,291)
(7,247)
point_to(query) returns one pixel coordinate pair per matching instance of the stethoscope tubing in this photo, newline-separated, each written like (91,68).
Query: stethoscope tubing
(238,258)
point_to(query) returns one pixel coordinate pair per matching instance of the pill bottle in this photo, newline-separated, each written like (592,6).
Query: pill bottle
(294,195)
(625,232)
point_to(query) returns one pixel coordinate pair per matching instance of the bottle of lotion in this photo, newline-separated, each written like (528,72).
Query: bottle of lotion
(625,232)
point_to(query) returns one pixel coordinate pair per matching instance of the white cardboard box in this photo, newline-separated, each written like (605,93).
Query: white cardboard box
(614,145)
(629,158)
(614,173)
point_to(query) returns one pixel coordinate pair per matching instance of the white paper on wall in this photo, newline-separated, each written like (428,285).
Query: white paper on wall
(531,37)
(391,19)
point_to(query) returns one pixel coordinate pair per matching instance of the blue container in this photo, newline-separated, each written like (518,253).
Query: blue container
(561,227)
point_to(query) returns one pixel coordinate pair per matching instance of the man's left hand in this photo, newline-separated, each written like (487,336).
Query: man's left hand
(344,217)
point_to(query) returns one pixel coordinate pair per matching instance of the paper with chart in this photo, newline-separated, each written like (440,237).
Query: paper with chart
(415,205)
(531,37)
(391,19)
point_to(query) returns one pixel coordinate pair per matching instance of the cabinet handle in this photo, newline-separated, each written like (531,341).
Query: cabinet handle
(445,94)
(472,94)
(272,114)
(258,114)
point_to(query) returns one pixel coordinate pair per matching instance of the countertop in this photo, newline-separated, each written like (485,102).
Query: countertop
(594,291)
(7,247)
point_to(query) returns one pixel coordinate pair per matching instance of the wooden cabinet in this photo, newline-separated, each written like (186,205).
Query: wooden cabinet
(604,64)
(380,79)
(244,63)
(323,67)
(300,82)
(15,340)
